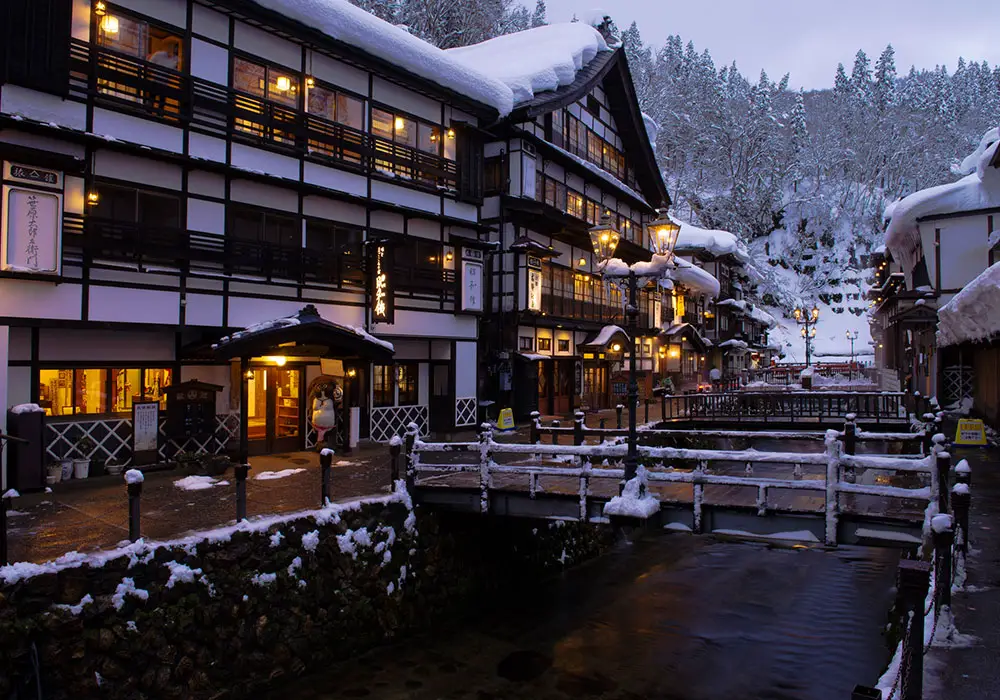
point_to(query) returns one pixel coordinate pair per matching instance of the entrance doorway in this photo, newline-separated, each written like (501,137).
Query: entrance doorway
(274,410)
(595,386)
(442,404)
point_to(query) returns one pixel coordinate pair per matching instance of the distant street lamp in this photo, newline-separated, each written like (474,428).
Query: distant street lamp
(604,238)
(852,338)
(807,319)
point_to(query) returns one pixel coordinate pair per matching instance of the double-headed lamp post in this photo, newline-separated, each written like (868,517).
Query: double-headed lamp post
(604,237)
(807,319)
(851,337)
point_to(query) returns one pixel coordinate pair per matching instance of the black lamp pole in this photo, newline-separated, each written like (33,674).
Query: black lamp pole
(632,313)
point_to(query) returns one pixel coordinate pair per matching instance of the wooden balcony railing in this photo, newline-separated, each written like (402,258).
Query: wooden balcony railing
(129,84)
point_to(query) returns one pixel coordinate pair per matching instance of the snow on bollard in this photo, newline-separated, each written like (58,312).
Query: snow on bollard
(325,462)
(832,483)
(635,500)
(395,448)
(133,481)
(963,472)
(944,537)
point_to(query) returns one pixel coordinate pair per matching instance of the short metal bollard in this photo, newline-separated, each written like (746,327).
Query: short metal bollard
(645,415)
(943,466)
(601,424)
(533,435)
(963,473)
(134,479)
(241,471)
(395,448)
(325,463)
(943,537)
(960,502)
(912,582)
(618,411)
(578,427)
(555,433)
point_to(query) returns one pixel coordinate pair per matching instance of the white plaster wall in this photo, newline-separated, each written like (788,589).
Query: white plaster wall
(266,45)
(207,147)
(252,158)
(120,166)
(465,369)
(460,210)
(206,216)
(43,143)
(333,210)
(203,310)
(429,324)
(169,11)
(264,195)
(208,184)
(209,61)
(127,128)
(964,250)
(399,97)
(210,23)
(42,107)
(387,221)
(440,350)
(31,299)
(337,73)
(4,390)
(405,197)
(410,349)
(134,305)
(18,386)
(86,345)
(334,179)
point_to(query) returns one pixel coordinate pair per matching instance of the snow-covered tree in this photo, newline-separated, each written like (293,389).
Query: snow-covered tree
(538,17)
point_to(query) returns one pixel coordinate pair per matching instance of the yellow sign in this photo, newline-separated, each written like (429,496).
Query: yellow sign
(970,432)
(506,421)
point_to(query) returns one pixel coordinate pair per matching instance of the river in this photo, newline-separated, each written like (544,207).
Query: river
(671,617)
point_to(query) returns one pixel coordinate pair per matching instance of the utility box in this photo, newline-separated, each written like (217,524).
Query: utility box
(190,409)
(26,461)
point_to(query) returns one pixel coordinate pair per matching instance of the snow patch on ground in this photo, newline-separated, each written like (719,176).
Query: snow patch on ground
(271,476)
(198,483)
(633,503)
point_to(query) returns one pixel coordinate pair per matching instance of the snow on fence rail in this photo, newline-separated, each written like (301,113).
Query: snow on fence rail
(672,465)
(785,406)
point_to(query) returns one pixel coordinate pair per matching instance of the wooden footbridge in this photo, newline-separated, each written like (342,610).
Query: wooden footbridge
(845,490)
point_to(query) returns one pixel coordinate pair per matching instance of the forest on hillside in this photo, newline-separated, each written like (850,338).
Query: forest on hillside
(802,177)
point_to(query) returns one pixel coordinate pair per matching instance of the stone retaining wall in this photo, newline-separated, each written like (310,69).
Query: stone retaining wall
(225,613)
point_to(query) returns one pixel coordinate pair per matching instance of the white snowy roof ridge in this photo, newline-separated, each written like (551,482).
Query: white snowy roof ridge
(716,242)
(971,162)
(972,314)
(978,190)
(536,60)
(342,21)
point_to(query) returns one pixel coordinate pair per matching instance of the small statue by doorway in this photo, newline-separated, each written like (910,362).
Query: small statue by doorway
(326,400)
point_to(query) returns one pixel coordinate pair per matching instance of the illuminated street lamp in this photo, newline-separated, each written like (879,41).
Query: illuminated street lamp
(807,318)
(604,238)
(851,338)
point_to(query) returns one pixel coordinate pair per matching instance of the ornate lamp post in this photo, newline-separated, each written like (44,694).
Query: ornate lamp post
(807,319)
(604,238)
(851,337)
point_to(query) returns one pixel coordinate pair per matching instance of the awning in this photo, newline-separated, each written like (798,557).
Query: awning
(685,331)
(306,334)
(533,356)
(603,337)
(533,247)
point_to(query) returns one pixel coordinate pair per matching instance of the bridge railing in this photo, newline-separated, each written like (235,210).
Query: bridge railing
(580,433)
(521,468)
(791,406)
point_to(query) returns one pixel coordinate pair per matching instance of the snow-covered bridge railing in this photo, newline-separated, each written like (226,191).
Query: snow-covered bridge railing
(576,481)
(580,433)
(786,406)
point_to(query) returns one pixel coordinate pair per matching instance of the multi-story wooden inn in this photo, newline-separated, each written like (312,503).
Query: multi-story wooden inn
(571,151)
(176,171)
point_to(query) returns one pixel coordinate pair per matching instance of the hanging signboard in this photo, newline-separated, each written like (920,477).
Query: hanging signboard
(32,231)
(534,284)
(471,280)
(145,432)
(381,283)
(970,432)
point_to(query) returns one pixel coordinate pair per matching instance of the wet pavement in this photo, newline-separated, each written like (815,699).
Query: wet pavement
(674,617)
(973,673)
(84,516)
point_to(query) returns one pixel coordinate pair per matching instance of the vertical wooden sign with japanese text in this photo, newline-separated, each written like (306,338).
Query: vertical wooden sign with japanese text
(534,284)
(381,283)
(145,432)
(32,221)
(471,280)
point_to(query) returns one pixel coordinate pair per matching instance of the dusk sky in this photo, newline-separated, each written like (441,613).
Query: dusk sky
(808,38)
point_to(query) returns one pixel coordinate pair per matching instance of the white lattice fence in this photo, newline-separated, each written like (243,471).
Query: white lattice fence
(392,420)
(465,411)
(113,438)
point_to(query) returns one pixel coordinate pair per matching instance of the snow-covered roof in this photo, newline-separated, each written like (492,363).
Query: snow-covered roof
(971,161)
(535,60)
(668,270)
(974,313)
(605,335)
(716,242)
(750,310)
(695,279)
(351,25)
(980,189)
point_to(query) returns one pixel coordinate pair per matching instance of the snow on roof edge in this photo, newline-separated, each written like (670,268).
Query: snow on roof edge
(966,317)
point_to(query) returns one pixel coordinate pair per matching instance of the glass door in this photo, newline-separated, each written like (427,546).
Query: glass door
(286,396)
(257,410)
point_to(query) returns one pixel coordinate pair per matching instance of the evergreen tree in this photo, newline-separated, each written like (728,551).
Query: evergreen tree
(885,80)
(861,79)
(538,18)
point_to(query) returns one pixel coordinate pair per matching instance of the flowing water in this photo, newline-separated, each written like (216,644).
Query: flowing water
(674,617)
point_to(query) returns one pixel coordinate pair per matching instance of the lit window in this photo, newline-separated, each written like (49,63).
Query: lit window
(66,392)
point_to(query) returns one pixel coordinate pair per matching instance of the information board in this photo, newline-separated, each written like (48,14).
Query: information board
(145,432)
(970,432)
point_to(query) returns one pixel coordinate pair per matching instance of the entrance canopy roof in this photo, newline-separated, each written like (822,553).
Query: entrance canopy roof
(685,331)
(306,334)
(604,337)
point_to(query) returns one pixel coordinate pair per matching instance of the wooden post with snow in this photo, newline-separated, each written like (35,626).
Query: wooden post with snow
(326,462)
(943,466)
(943,528)
(133,480)
(912,581)
(578,427)
(618,412)
(409,440)
(534,436)
(832,481)
(485,460)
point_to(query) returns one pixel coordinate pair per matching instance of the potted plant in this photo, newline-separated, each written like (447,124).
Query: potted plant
(112,467)
(53,473)
(85,447)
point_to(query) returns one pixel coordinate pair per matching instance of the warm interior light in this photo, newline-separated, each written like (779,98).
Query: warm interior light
(616,347)
(279,360)
(93,198)
(674,352)
(400,124)
(451,133)
(352,372)
(99,8)
(249,374)
(582,262)
(283,83)
(448,257)
(663,350)
(109,25)
(310,82)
